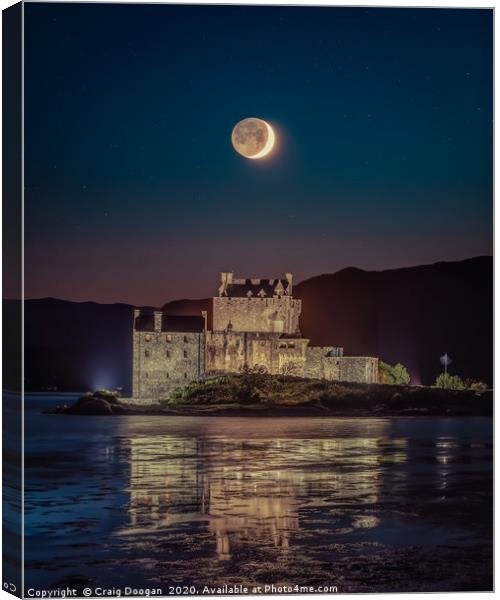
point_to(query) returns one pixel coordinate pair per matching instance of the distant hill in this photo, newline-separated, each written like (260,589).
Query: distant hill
(411,315)
(75,346)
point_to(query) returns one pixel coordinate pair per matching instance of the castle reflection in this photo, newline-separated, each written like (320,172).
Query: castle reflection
(251,492)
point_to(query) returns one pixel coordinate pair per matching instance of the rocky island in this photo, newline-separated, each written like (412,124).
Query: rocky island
(261,394)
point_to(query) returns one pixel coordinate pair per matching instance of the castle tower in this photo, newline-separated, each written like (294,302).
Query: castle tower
(256,305)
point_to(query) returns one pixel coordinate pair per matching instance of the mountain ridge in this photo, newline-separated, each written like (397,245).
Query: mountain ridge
(409,314)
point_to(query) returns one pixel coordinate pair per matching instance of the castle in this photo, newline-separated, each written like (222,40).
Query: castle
(254,323)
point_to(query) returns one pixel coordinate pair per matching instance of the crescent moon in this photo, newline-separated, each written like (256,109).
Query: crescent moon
(271,138)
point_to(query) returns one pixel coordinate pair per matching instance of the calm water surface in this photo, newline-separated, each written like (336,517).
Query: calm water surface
(365,504)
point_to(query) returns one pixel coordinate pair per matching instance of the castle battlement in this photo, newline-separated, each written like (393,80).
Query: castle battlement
(255,287)
(256,304)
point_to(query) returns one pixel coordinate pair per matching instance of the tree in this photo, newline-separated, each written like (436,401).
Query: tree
(449,382)
(289,368)
(393,375)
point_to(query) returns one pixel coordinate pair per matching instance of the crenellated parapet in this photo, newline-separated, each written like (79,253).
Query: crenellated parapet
(256,304)
(255,287)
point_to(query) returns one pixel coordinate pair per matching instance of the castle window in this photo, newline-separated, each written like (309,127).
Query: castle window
(147,337)
(185,375)
(146,353)
(168,353)
(167,375)
(168,337)
(291,345)
(185,338)
(185,354)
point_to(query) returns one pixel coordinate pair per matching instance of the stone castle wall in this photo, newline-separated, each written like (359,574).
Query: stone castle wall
(246,332)
(232,351)
(316,364)
(361,369)
(271,315)
(165,361)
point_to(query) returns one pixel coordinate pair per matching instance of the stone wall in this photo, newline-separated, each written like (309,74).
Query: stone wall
(246,332)
(231,351)
(272,315)
(226,351)
(163,361)
(292,356)
(320,365)
(362,369)
(315,362)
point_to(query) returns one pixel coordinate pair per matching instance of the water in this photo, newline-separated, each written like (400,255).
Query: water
(382,504)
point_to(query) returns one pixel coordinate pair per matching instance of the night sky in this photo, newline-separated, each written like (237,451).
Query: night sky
(135,194)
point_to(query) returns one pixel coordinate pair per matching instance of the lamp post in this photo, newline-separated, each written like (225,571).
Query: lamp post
(445,360)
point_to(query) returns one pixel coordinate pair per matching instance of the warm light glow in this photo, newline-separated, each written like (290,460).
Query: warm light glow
(271,138)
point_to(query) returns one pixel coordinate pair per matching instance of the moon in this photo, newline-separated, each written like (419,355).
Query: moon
(253,138)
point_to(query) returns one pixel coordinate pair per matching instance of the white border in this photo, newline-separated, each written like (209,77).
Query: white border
(464,4)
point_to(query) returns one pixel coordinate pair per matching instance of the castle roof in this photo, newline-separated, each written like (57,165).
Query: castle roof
(265,288)
(171,324)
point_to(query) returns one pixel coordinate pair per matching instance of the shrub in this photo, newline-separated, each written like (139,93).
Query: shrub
(449,382)
(393,375)
(478,386)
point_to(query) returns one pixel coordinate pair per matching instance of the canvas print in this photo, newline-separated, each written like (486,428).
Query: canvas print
(248,300)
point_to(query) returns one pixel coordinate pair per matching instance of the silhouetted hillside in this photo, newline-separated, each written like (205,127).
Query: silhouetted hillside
(75,346)
(409,315)
(189,307)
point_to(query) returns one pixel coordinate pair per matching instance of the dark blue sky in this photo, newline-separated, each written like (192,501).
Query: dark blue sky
(133,190)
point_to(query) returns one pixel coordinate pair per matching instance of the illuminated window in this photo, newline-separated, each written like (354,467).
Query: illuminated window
(168,338)
(147,337)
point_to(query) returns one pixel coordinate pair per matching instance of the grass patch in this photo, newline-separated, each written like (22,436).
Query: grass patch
(260,391)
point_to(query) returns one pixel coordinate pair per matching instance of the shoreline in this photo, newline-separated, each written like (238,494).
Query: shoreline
(262,395)
(279,412)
